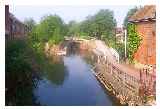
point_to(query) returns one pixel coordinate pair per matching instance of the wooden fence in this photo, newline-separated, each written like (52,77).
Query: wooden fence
(130,86)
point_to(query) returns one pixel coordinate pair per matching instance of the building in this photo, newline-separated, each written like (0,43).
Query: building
(145,21)
(14,28)
(119,34)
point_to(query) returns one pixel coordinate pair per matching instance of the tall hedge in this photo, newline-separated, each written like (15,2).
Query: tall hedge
(133,41)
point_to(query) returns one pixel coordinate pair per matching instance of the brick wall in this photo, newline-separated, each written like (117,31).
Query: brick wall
(13,27)
(7,21)
(146,53)
(19,29)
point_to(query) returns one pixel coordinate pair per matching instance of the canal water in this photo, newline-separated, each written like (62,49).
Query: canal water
(77,86)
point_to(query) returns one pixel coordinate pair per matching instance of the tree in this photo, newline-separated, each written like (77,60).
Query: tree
(102,23)
(30,23)
(51,28)
(73,28)
(86,27)
(130,13)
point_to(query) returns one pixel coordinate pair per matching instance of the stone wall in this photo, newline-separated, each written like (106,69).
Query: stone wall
(126,87)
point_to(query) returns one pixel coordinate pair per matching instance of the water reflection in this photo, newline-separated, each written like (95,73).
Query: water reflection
(71,82)
(56,71)
(73,48)
(79,88)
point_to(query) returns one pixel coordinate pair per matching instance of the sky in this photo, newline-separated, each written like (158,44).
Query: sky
(67,13)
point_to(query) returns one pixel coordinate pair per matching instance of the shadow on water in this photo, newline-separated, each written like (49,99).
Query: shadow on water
(55,71)
(73,48)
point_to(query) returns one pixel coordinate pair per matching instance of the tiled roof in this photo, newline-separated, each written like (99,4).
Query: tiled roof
(145,13)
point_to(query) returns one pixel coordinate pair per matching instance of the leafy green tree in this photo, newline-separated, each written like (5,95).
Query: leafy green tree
(86,27)
(73,28)
(51,27)
(102,23)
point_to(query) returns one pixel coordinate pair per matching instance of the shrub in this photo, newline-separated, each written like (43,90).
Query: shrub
(133,41)
(18,74)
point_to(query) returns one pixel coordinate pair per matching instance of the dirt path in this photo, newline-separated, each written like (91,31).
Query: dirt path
(104,49)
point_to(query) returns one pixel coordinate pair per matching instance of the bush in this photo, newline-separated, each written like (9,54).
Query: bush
(133,41)
(18,74)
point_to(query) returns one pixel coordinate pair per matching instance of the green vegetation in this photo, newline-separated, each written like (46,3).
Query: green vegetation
(120,47)
(30,23)
(133,40)
(18,74)
(23,62)
(51,29)
(26,58)
(101,26)
(50,65)
(53,71)
(74,29)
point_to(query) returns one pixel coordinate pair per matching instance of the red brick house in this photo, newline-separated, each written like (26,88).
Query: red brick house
(14,28)
(145,20)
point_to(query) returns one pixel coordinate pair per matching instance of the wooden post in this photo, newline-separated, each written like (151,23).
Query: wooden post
(125,34)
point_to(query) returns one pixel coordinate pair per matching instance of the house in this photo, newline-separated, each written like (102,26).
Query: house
(14,28)
(119,34)
(145,21)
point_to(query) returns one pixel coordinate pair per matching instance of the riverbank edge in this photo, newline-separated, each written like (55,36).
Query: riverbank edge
(118,101)
(108,90)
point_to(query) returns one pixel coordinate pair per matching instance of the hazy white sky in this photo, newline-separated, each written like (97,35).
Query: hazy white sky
(67,13)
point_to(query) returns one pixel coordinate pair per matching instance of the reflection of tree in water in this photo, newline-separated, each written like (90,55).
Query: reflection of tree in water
(55,71)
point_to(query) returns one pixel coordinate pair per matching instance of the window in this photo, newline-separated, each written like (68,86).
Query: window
(13,28)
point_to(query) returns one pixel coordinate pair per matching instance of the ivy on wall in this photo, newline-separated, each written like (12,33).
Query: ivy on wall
(133,41)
